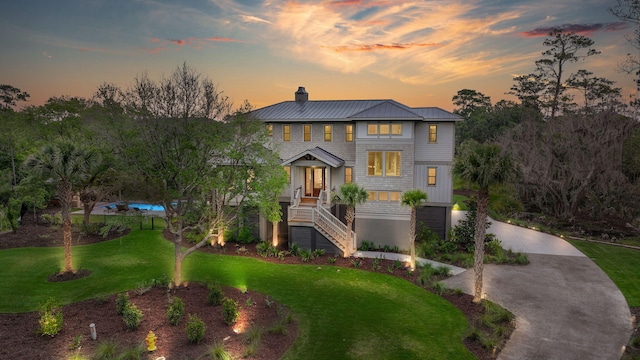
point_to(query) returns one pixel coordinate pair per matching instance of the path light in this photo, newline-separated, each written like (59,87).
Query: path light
(94,335)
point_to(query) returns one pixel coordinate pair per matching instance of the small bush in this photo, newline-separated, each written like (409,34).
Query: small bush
(143,287)
(106,350)
(216,294)
(263,249)
(367,246)
(195,329)
(230,311)
(494,247)
(294,249)
(218,352)
(121,303)
(132,353)
(318,252)
(241,235)
(132,316)
(438,287)
(331,260)
(50,318)
(53,220)
(356,262)
(253,335)
(305,255)
(90,229)
(522,259)
(175,311)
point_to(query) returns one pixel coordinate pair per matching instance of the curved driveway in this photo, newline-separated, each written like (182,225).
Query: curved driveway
(566,307)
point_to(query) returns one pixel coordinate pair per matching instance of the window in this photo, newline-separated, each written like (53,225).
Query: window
(287,169)
(392,161)
(384,129)
(374,163)
(270,129)
(393,196)
(391,164)
(348,133)
(431,176)
(327,132)
(348,175)
(286,132)
(433,133)
(307,132)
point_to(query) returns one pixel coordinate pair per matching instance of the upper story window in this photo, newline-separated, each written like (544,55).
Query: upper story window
(286,132)
(431,176)
(384,163)
(393,196)
(433,133)
(348,133)
(348,175)
(384,129)
(307,132)
(270,129)
(328,129)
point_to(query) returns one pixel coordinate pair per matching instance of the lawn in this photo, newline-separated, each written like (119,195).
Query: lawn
(621,264)
(342,312)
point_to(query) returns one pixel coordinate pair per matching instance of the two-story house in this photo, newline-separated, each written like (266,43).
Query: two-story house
(381,145)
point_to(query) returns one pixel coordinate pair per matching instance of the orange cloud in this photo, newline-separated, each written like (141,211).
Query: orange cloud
(155,40)
(177,41)
(375,47)
(222,39)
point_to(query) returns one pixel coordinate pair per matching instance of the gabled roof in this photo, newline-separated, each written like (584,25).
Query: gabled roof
(349,110)
(319,154)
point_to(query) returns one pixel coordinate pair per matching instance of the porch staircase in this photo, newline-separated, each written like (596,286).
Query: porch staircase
(325,223)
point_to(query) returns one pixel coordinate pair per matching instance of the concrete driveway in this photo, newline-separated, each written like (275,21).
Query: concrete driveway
(566,307)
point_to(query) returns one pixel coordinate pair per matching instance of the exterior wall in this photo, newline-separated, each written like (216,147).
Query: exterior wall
(442,150)
(337,146)
(442,192)
(309,238)
(383,232)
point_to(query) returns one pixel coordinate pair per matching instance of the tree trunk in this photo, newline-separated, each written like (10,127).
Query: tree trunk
(177,270)
(347,248)
(274,240)
(64,191)
(412,238)
(478,258)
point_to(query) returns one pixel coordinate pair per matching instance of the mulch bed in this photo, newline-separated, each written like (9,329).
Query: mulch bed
(19,341)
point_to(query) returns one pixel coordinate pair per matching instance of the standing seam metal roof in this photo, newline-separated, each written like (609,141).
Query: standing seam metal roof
(341,110)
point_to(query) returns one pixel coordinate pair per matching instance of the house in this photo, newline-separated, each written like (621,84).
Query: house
(381,145)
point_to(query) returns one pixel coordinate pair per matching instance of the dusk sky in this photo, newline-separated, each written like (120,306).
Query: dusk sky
(419,53)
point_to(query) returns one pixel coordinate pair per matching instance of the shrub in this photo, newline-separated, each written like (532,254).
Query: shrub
(50,318)
(375,264)
(294,249)
(318,252)
(133,353)
(54,220)
(263,249)
(356,262)
(106,350)
(242,235)
(132,316)
(522,259)
(230,311)
(494,247)
(305,255)
(215,294)
(90,229)
(331,260)
(218,352)
(175,311)
(121,303)
(438,287)
(367,246)
(195,329)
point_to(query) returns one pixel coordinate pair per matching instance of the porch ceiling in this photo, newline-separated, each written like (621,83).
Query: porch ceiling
(318,153)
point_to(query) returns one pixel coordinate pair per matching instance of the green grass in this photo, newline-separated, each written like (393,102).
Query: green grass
(621,264)
(342,312)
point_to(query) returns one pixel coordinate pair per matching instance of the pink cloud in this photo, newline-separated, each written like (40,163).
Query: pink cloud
(376,47)
(584,29)
(177,41)
(155,40)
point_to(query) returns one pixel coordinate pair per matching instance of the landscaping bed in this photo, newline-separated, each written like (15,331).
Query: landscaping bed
(18,338)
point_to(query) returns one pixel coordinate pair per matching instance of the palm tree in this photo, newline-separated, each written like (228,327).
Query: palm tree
(66,164)
(413,199)
(483,166)
(351,195)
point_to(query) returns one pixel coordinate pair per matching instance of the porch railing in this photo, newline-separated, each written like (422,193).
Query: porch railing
(327,224)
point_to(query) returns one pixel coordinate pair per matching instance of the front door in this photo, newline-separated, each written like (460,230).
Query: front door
(314,181)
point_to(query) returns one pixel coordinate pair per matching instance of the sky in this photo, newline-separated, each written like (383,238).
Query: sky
(420,53)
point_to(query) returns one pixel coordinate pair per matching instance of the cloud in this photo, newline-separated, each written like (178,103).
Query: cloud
(193,42)
(46,54)
(375,47)
(179,42)
(253,19)
(584,29)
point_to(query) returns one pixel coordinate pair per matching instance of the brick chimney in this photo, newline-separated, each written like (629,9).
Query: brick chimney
(302,95)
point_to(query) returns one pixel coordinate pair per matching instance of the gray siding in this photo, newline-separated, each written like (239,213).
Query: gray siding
(442,150)
(337,146)
(310,238)
(383,232)
(436,218)
(442,192)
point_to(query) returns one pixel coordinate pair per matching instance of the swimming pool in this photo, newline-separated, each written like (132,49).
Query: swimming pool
(141,206)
